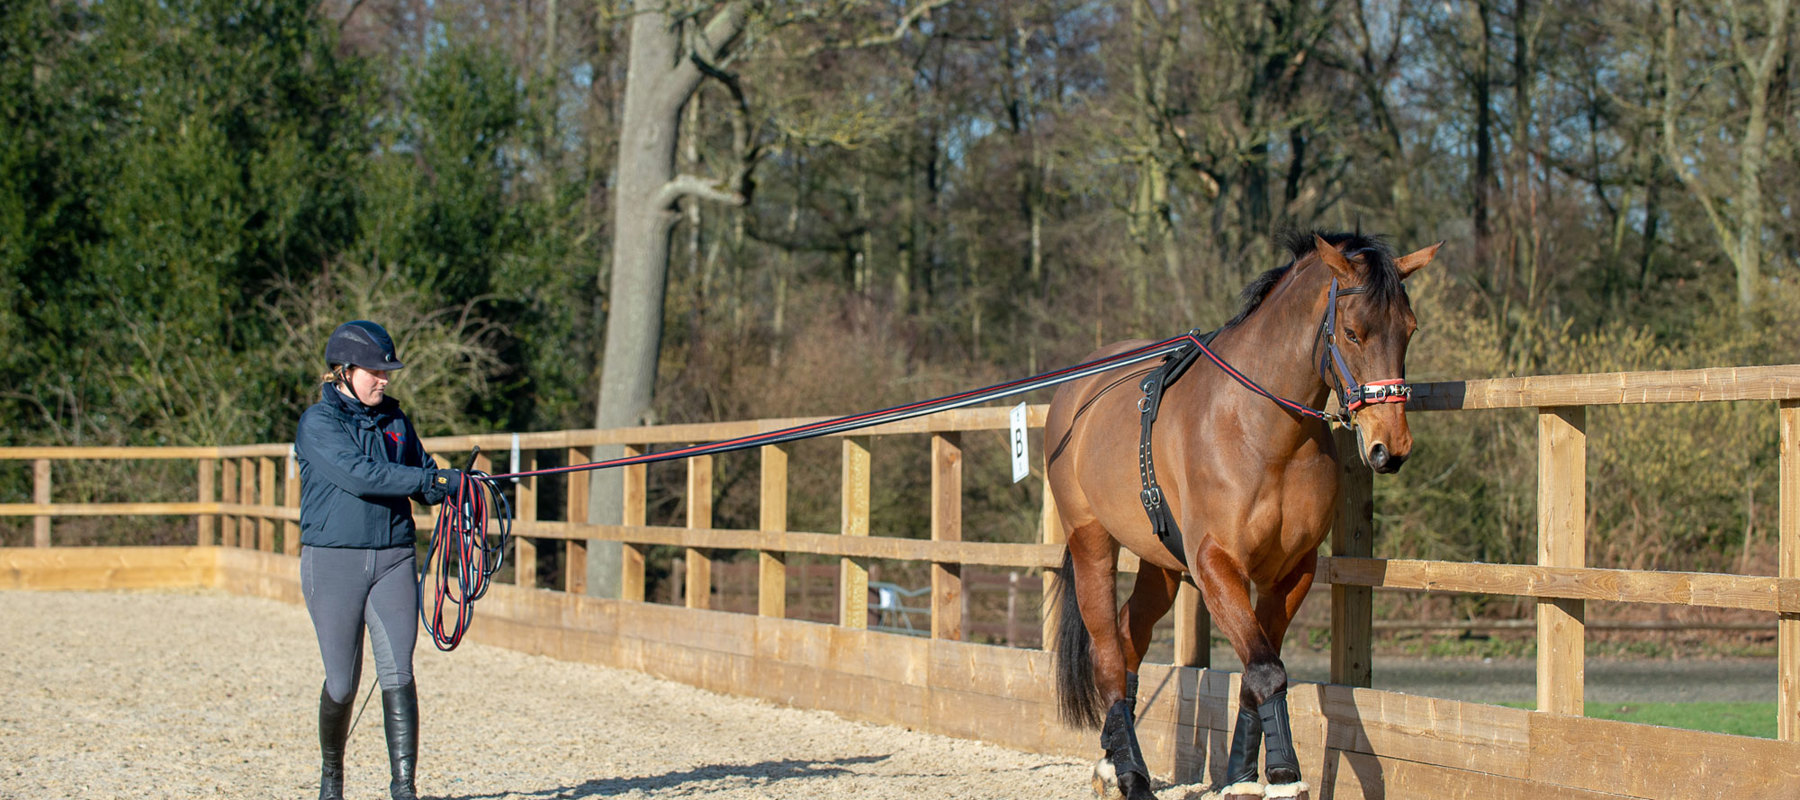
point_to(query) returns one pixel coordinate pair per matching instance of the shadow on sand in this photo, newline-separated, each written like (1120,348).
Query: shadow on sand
(762,773)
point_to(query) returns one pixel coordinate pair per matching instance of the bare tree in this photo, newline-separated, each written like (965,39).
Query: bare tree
(671,54)
(662,74)
(1732,92)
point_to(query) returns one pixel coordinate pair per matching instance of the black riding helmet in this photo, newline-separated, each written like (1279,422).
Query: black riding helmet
(361,343)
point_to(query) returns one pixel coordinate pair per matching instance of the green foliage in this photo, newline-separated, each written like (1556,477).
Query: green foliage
(443,175)
(195,148)
(1475,647)
(192,192)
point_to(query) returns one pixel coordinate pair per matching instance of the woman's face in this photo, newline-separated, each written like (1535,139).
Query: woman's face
(368,386)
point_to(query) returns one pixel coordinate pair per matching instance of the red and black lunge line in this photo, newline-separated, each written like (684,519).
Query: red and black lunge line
(460,542)
(462,549)
(904,412)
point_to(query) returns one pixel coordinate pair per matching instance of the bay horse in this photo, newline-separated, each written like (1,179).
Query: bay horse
(1250,481)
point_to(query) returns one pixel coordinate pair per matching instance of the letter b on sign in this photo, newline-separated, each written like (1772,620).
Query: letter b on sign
(1021,457)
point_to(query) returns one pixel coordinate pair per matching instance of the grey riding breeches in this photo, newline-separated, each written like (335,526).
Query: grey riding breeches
(347,589)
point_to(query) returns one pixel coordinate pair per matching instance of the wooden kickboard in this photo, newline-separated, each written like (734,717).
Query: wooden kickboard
(1655,762)
(1353,743)
(106,568)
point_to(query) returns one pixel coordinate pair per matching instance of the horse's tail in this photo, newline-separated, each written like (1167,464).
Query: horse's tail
(1077,697)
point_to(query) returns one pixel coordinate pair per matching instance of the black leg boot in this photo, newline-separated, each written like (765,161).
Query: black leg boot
(1126,759)
(1284,764)
(401,720)
(334,727)
(1246,742)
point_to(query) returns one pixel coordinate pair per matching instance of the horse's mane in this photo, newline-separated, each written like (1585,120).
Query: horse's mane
(1383,277)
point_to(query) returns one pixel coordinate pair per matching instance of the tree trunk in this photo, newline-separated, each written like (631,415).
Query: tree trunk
(1484,143)
(659,80)
(1373,75)
(549,144)
(1156,41)
(1524,212)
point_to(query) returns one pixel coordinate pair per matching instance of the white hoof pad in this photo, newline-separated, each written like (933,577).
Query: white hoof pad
(1106,781)
(1246,790)
(1297,790)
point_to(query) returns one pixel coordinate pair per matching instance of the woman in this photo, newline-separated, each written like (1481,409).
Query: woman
(360,466)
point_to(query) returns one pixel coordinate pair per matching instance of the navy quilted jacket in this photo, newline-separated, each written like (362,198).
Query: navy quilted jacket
(359,468)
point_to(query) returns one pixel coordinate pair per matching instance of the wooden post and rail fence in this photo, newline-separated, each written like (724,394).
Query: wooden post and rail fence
(1366,743)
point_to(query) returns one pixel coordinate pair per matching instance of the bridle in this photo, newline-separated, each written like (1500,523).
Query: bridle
(1353,395)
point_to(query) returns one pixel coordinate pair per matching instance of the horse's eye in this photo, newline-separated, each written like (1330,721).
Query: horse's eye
(1351,335)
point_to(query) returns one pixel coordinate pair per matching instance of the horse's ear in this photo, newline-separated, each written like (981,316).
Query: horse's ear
(1332,258)
(1411,262)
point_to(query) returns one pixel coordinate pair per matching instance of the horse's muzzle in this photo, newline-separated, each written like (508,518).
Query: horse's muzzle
(1384,462)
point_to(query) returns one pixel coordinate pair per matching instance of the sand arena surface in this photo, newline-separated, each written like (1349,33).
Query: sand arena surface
(206,695)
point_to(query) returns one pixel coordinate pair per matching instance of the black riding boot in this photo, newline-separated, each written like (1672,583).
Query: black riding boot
(334,727)
(401,720)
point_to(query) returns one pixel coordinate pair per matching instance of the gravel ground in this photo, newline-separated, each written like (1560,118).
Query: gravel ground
(201,695)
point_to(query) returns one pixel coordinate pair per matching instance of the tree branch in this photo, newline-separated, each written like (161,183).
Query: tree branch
(902,29)
(344,20)
(694,186)
(748,153)
(794,243)
(710,44)
(721,33)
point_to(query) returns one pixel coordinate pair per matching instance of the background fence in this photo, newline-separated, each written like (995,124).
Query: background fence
(246,497)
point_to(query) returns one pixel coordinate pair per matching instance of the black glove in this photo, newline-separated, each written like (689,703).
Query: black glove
(441,484)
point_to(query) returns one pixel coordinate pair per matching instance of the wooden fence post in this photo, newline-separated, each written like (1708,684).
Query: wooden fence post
(524,547)
(1193,628)
(1787,694)
(265,498)
(1562,513)
(771,575)
(699,515)
(946,526)
(40,494)
(853,573)
(290,529)
(576,511)
(631,556)
(1353,535)
(247,497)
(228,495)
(203,480)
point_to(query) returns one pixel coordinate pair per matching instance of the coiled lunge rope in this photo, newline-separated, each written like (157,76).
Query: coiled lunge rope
(463,556)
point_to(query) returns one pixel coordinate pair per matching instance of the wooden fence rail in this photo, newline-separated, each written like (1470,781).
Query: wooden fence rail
(247,497)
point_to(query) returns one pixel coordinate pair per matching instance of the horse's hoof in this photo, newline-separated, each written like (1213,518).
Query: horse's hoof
(1298,790)
(1106,781)
(1110,785)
